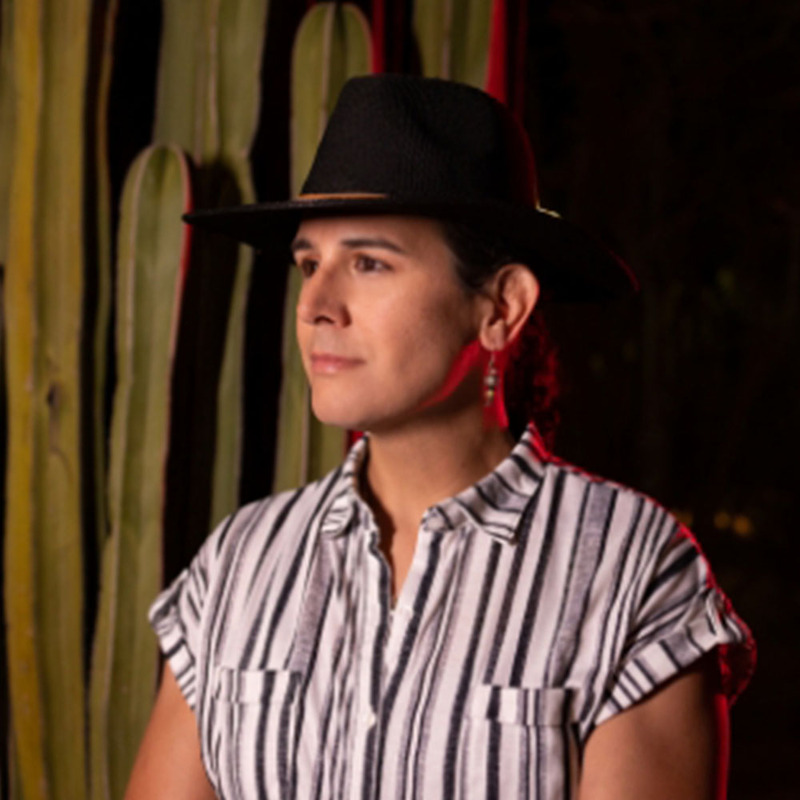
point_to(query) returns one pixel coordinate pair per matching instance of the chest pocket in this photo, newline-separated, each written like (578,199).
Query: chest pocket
(249,732)
(518,743)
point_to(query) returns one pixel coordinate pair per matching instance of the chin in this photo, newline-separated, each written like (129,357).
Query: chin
(355,416)
(340,415)
(372,411)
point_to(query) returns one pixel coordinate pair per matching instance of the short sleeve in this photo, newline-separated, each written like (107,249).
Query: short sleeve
(679,615)
(177,617)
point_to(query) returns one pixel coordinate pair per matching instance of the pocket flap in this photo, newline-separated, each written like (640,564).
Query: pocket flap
(519,705)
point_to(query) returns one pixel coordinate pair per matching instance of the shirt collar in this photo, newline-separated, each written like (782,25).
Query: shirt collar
(494,505)
(346,500)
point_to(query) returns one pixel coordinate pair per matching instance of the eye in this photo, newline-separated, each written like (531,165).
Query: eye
(368,264)
(307,266)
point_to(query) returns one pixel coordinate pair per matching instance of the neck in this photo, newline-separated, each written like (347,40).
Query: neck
(425,461)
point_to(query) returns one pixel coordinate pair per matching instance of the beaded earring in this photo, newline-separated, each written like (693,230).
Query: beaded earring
(490,380)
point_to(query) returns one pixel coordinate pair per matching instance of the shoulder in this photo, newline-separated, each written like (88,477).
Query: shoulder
(577,497)
(633,553)
(555,466)
(274,522)
(658,607)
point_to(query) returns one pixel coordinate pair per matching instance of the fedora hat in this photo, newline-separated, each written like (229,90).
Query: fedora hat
(400,144)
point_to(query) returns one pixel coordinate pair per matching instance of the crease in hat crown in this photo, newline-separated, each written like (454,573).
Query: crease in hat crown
(399,144)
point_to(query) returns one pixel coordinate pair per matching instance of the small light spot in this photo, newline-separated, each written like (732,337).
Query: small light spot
(549,212)
(743,526)
(722,520)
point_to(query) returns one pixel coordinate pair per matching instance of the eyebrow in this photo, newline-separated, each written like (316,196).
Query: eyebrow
(353,244)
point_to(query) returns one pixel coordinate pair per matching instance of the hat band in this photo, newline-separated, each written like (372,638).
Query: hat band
(341,196)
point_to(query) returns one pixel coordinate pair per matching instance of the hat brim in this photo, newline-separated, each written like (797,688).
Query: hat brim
(570,264)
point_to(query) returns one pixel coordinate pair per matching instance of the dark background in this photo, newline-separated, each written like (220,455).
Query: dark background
(669,131)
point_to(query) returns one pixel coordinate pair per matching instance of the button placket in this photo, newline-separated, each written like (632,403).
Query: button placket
(406,614)
(376,618)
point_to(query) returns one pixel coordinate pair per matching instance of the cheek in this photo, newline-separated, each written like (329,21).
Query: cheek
(461,368)
(417,352)
(429,344)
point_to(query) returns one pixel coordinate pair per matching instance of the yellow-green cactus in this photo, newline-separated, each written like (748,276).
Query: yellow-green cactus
(208,104)
(152,254)
(453,39)
(44,289)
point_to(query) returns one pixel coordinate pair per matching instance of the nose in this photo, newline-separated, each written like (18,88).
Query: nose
(322,298)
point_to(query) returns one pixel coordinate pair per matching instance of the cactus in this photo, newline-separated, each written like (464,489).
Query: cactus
(100,259)
(207,105)
(332,45)
(6,120)
(453,39)
(202,109)
(43,309)
(152,260)
(208,102)
(208,85)
(6,136)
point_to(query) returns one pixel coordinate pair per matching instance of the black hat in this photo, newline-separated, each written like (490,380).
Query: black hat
(398,144)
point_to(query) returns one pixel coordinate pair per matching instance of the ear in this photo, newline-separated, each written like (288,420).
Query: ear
(512,293)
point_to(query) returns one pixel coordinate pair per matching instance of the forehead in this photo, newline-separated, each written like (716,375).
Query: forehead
(412,236)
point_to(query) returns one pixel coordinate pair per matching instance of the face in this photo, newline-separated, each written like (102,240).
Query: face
(385,330)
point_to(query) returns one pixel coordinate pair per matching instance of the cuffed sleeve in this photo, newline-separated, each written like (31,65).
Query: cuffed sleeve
(680,615)
(176,616)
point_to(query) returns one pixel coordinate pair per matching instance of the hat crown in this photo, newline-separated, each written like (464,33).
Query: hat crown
(399,144)
(422,139)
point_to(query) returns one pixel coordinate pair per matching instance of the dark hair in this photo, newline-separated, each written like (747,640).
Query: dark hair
(531,380)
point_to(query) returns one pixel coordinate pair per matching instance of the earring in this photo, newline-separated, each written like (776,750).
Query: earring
(490,380)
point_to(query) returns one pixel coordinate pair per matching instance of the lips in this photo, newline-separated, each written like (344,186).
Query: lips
(328,363)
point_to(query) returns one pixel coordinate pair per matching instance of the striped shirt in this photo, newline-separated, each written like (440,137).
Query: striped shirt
(540,602)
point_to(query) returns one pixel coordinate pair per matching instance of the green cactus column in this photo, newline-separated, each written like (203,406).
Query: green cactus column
(99,249)
(6,118)
(43,310)
(453,39)
(152,259)
(6,136)
(191,363)
(332,45)
(208,104)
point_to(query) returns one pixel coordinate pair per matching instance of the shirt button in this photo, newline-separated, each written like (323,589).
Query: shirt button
(405,610)
(369,718)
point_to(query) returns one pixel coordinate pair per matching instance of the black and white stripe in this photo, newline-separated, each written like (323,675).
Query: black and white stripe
(540,602)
